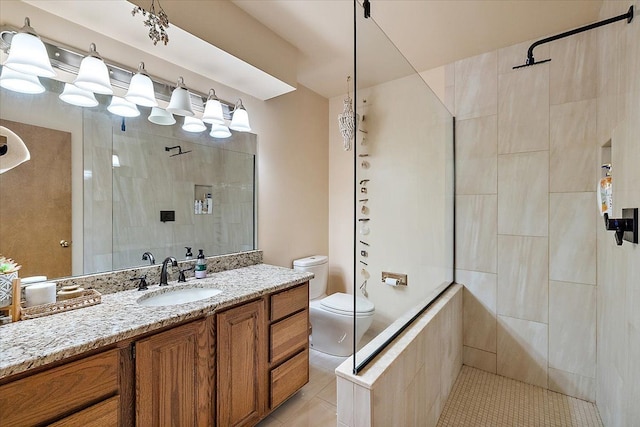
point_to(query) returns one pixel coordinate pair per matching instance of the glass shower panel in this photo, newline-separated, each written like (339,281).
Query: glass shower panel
(403,191)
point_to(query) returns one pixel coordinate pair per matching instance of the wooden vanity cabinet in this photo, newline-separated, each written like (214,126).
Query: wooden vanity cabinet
(174,373)
(84,392)
(229,369)
(262,355)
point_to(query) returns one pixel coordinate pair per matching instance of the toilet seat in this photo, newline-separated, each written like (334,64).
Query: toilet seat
(340,303)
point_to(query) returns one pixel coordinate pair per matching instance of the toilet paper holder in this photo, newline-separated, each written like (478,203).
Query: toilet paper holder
(401,278)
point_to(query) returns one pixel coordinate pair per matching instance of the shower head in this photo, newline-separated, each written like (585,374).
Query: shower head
(180,152)
(531,61)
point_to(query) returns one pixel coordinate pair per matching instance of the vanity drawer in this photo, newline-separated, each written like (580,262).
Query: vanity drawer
(101,414)
(289,301)
(68,388)
(289,336)
(289,377)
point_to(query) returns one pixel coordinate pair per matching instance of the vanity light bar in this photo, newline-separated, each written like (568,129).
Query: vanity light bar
(68,59)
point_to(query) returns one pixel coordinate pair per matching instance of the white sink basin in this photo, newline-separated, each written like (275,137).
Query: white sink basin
(178,296)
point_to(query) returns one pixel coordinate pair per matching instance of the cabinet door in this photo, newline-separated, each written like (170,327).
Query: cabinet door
(174,377)
(241,370)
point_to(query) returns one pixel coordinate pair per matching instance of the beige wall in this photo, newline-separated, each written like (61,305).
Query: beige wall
(293,168)
(528,144)
(408,136)
(340,205)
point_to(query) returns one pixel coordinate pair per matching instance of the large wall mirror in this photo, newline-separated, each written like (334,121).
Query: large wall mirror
(99,191)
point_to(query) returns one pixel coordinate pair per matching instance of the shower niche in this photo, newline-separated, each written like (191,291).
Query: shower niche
(202,199)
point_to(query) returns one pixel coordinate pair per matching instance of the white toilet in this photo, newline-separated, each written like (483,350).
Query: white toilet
(332,316)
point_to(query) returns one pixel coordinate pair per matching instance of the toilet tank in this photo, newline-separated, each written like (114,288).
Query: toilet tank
(319,266)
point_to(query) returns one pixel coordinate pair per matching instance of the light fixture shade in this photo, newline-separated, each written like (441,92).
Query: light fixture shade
(180,102)
(121,107)
(20,82)
(28,54)
(76,96)
(193,124)
(17,152)
(93,74)
(219,131)
(161,117)
(240,118)
(213,109)
(141,89)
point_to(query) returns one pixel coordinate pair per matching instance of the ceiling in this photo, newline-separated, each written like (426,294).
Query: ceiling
(265,47)
(429,33)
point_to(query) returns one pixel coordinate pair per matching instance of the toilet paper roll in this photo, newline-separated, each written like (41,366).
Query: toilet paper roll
(391,282)
(40,293)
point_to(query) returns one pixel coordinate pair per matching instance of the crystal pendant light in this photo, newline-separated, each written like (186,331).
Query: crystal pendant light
(213,109)
(28,54)
(180,102)
(141,89)
(93,74)
(193,124)
(219,131)
(348,120)
(123,108)
(161,117)
(75,96)
(20,82)
(240,118)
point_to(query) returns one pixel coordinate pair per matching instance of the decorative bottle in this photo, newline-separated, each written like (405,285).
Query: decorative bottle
(201,265)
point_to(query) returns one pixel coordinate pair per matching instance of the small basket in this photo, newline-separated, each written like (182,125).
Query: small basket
(88,298)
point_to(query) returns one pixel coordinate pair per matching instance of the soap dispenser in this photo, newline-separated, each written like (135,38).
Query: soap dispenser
(188,255)
(201,265)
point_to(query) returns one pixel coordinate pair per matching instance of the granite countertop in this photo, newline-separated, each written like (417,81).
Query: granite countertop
(31,343)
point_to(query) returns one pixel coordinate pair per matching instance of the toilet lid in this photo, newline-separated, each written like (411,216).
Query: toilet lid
(310,261)
(344,303)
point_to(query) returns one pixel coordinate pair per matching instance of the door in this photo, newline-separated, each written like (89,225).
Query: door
(174,377)
(35,203)
(241,352)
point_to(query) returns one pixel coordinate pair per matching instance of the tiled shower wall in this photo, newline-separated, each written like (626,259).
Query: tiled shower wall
(618,318)
(528,159)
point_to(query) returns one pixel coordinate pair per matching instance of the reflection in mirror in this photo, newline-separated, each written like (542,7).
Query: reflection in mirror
(115,210)
(35,203)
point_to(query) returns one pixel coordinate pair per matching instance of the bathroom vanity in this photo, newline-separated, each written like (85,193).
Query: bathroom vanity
(228,360)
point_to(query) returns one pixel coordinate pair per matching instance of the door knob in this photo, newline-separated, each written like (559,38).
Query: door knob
(64,243)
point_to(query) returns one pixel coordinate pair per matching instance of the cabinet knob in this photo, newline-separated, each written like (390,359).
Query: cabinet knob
(64,243)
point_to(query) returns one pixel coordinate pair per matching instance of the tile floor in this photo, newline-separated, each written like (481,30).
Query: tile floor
(478,399)
(315,404)
(481,399)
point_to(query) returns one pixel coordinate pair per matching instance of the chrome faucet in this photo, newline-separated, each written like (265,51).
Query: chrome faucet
(163,272)
(148,256)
